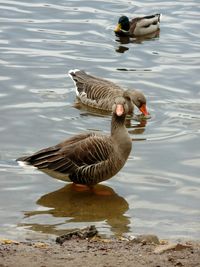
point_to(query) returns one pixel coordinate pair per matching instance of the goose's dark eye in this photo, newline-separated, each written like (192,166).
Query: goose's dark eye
(141,101)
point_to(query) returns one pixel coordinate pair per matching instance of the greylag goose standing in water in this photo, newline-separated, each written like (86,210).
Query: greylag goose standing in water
(139,26)
(88,158)
(99,93)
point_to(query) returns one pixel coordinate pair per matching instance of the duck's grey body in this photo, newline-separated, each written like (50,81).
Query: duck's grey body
(139,26)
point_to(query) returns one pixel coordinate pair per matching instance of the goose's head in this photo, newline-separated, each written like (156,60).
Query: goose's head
(120,107)
(123,25)
(137,98)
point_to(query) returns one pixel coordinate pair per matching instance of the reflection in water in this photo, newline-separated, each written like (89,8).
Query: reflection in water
(141,119)
(90,111)
(138,40)
(121,49)
(138,129)
(80,207)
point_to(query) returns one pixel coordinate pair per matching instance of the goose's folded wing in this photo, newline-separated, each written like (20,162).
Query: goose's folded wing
(68,156)
(89,151)
(95,88)
(44,157)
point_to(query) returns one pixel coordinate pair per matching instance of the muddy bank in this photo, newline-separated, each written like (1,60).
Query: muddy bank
(96,251)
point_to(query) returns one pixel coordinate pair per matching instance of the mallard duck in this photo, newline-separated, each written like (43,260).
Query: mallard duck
(138,26)
(88,158)
(100,93)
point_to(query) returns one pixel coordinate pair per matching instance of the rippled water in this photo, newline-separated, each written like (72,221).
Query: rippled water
(158,189)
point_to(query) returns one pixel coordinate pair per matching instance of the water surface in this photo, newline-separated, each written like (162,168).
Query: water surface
(158,189)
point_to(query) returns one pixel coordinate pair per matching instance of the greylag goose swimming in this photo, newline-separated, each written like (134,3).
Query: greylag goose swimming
(138,26)
(100,93)
(88,158)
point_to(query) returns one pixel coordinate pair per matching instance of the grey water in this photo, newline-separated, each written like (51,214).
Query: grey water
(158,189)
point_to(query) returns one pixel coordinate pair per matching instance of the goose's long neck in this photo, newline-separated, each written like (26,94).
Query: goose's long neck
(117,124)
(120,136)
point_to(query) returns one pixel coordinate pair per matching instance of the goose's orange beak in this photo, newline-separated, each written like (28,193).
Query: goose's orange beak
(143,109)
(119,110)
(118,28)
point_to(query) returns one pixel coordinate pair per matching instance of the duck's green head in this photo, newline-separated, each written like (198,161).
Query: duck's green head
(123,25)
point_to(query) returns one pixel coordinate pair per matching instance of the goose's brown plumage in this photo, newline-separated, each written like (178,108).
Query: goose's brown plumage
(139,26)
(89,158)
(100,93)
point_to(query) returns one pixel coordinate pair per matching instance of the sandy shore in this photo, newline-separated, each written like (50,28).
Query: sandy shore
(96,251)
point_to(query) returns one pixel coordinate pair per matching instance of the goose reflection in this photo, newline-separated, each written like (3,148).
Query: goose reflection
(80,208)
(90,111)
(133,127)
(136,124)
(123,40)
